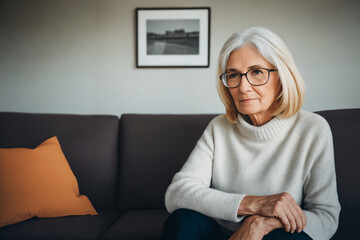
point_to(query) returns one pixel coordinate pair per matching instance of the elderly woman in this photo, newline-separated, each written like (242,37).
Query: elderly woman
(266,170)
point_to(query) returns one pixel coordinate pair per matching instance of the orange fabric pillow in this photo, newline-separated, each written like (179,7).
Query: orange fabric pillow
(38,182)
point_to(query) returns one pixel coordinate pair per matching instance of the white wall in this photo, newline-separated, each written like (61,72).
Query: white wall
(79,56)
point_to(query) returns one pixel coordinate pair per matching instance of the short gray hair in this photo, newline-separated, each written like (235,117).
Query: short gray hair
(275,51)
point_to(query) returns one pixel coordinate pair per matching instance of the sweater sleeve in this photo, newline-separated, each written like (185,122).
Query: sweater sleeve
(321,204)
(191,187)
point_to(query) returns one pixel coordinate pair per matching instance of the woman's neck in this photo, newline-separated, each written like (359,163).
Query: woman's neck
(259,119)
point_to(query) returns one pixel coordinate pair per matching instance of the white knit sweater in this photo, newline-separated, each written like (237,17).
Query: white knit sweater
(230,161)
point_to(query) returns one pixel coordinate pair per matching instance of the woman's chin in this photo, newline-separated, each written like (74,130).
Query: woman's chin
(247,111)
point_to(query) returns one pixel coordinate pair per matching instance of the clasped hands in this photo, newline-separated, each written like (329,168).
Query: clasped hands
(267,213)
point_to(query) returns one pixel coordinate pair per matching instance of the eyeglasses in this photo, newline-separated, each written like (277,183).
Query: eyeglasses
(255,76)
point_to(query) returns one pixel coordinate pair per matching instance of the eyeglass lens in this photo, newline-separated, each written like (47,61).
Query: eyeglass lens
(254,76)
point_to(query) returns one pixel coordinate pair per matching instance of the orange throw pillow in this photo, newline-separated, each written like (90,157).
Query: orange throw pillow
(38,182)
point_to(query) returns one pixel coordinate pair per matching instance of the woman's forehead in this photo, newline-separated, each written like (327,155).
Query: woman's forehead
(246,58)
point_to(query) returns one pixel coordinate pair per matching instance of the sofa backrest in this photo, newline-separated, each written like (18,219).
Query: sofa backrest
(345,127)
(89,143)
(152,149)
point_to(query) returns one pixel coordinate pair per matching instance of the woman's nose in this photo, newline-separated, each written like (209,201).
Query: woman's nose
(244,86)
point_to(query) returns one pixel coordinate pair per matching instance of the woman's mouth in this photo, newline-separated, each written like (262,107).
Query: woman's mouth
(247,100)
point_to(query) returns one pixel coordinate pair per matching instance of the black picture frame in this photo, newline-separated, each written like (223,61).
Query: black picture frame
(173,37)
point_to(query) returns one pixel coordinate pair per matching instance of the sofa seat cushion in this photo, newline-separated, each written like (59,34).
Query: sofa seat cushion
(86,227)
(138,225)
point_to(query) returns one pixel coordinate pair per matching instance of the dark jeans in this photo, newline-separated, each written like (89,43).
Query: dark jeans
(185,224)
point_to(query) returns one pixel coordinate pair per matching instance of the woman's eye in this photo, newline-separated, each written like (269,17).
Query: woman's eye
(257,72)
(233,75)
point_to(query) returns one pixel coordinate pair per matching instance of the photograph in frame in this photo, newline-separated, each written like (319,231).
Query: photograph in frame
(172,37)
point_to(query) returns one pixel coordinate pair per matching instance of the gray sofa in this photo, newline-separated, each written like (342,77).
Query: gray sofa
(125,164)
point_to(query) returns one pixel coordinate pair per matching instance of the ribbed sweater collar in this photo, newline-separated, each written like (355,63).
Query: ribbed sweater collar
(275,127)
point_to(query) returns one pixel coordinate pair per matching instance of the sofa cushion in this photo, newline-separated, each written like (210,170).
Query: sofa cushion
(345,127)
(88,227)
(137,225)
(89,142)
(38,182)
(152,149)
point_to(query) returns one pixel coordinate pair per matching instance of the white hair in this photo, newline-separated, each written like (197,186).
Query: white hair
(274,50)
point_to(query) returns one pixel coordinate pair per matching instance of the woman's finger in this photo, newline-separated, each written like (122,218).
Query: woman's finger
(298,220)
(300,213)
(291,218)
(285,221)
(303,218)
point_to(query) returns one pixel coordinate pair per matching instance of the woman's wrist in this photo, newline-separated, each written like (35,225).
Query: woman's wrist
(267,224)
(249,205)
(256,227)
(271,223)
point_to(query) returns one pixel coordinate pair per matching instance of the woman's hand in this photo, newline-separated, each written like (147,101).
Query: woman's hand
(255,227)
(281,206)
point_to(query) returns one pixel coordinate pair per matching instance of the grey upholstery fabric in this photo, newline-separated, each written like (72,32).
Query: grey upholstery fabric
(63,228)
(88,142)
(152,149)
(345,127)
(138,225)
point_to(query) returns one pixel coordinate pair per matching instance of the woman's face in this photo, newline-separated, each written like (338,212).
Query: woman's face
(255,101)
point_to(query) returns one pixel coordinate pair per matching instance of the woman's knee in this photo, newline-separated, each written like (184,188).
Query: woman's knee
(281,234)
(183,213)
(187,224)
(186,218)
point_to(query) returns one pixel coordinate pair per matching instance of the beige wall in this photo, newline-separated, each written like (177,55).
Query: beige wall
(78,56)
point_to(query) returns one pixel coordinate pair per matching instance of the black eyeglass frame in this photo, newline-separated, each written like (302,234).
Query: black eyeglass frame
(242,74)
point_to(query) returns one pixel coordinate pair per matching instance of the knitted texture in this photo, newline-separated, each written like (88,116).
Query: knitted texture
(230,161)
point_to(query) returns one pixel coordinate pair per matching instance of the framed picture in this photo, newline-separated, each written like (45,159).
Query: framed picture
(172,37)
